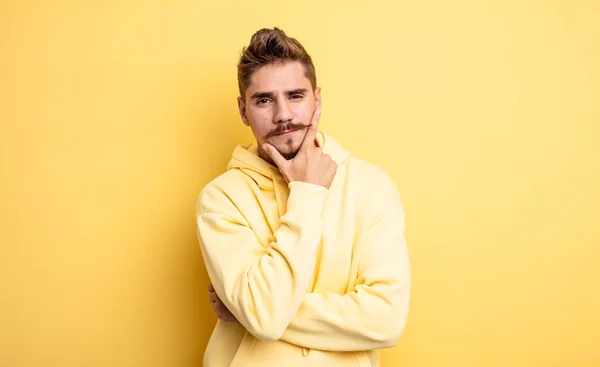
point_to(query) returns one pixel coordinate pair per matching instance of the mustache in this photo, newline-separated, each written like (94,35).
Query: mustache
(285,127)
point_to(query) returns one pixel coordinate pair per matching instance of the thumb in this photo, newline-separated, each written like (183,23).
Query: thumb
(275,155)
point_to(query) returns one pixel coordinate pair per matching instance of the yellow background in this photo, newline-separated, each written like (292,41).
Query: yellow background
(115,113)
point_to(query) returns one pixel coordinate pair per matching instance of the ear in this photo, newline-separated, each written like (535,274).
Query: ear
(318,100)
(242,109)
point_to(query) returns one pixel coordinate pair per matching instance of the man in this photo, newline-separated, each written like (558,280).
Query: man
(304,244)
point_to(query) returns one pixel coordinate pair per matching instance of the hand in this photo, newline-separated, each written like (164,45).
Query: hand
(222,311)
(310,165)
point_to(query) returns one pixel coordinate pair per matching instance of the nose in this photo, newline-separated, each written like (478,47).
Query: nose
(283,113)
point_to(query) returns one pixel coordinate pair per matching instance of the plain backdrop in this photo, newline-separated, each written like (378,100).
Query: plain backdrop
(114,115)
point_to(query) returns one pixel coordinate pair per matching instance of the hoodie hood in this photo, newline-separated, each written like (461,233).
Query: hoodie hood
(267,176)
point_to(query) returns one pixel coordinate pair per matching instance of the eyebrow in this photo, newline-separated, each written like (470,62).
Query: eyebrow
(259,95)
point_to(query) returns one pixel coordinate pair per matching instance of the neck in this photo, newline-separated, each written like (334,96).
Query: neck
(265,156)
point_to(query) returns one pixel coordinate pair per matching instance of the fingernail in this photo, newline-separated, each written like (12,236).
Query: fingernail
(318,111)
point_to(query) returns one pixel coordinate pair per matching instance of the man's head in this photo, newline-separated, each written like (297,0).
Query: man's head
(278,92)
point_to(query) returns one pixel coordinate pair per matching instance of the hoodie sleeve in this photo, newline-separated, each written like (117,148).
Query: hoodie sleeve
(373,314)
(262,286)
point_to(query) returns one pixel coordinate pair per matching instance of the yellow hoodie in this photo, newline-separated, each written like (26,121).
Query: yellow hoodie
(315,276)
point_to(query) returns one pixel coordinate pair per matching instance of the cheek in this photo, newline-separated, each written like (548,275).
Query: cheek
(304,111)
(260,121)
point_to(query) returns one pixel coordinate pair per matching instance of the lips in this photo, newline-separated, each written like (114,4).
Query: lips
(286,132)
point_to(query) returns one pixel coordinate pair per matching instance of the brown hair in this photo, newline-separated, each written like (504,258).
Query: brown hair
(268,46)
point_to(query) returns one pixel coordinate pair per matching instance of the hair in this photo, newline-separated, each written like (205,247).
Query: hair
(270,46)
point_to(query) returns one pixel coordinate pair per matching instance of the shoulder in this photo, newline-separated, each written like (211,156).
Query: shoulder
(370,176)
(375,190)
(219,194)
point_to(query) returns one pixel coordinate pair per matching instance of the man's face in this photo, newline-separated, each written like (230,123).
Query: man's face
(278,106)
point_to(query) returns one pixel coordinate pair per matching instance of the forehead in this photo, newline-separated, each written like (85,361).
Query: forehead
(275,77)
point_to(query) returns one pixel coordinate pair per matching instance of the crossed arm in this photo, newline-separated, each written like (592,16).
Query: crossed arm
(371,316)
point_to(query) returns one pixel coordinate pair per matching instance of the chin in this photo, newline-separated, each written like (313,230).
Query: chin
(287,153)
(288,148)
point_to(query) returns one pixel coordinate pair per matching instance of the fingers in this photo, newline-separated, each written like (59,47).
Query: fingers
(275,155)
(316,117)
(222,312)
(309,139)
(219,307)
(217,304)
(227,317)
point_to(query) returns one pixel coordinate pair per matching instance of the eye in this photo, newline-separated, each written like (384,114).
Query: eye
(262,101)
(296,96)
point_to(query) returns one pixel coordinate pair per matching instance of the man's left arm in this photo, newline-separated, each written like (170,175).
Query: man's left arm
(373,315)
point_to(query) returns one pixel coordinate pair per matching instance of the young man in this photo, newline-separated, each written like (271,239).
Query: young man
(304,244)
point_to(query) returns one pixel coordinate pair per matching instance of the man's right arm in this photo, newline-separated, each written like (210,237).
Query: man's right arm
(262,286)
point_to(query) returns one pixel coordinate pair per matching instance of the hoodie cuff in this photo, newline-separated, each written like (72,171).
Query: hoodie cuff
(306,200)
